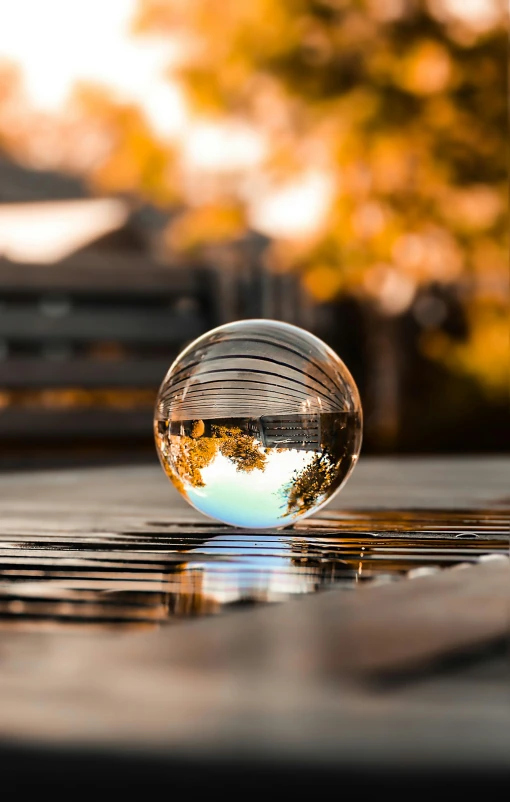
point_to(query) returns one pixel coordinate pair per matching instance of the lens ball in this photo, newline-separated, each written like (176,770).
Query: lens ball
(258,424)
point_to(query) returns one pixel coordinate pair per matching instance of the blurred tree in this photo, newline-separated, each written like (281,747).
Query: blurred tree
(310,484)
(187,455)
(10,89)
(241,449)
(327,467)
(192,455)
(401,108)
(133,162)
(385,118)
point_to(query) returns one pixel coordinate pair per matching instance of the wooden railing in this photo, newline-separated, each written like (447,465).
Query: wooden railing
(112,322)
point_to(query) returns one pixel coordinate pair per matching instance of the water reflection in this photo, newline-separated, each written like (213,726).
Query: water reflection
(250,569)
(160,575)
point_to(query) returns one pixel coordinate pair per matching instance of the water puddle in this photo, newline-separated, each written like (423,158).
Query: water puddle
(164,572)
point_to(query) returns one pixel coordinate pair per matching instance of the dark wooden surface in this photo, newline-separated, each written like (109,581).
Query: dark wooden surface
(392,681)
(95,322)
(113,322)
(377,483)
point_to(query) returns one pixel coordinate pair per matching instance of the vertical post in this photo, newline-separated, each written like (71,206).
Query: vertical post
(383,377)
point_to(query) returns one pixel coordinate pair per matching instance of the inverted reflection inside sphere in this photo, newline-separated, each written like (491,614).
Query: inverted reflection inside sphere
(258,423)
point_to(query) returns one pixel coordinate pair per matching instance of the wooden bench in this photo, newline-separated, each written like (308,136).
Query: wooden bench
(106,326)
(92,322)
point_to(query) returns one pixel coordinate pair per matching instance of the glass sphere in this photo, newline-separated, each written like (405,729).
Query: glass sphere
(258,423)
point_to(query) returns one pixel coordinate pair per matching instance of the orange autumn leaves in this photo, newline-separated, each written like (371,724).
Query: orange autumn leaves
(190,454)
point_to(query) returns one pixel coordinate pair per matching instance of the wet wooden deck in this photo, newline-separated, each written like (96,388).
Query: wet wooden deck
(141,643)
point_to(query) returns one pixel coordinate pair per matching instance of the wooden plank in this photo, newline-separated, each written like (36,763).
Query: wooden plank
(193,689)
(375,631)
(281,685)
(19,373)
(119,274)
(57,425)
(144,325)
(435,485)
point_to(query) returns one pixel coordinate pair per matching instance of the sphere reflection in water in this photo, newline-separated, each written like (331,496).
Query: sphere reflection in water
(258,423)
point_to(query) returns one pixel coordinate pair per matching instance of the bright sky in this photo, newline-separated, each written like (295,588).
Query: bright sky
(68,41)
(296,209)
(479,14)
(57,43)
(251,498)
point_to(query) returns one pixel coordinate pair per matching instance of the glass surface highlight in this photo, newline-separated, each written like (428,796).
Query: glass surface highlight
(258,423)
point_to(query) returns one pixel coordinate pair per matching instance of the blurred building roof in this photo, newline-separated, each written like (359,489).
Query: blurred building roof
(46,215)
(19,184)
(48,231)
